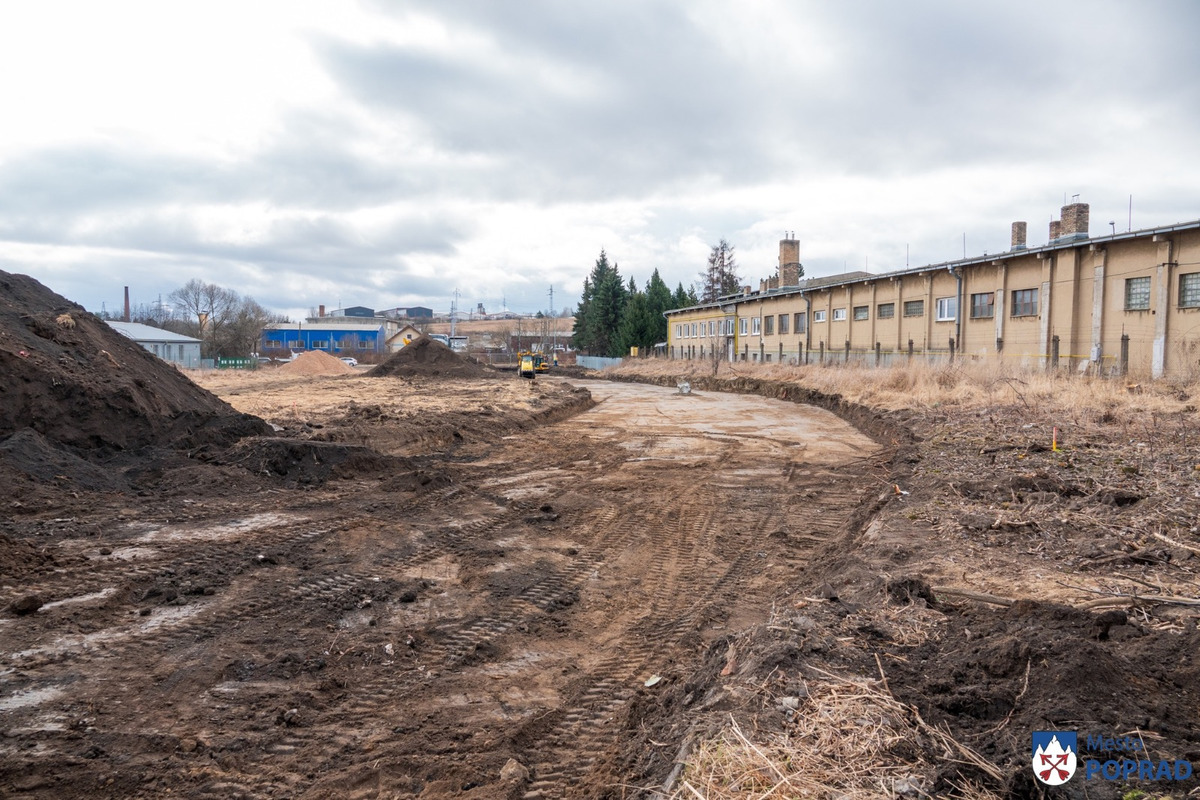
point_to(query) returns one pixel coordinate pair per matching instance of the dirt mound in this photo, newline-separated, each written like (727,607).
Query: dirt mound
(428,357)
(317,362)
(79,384)
(311,463)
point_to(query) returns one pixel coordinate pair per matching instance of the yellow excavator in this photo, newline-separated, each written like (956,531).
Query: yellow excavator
(525,365)
(531,363)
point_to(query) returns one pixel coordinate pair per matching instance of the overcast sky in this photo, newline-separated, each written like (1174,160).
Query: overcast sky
(386,153)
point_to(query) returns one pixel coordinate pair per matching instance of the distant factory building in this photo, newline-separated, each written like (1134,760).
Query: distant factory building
(351,311)
(349,337)
(182,351)
(1120,302)
(409,312)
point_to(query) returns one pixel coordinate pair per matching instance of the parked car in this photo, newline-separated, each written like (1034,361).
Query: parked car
(350,360)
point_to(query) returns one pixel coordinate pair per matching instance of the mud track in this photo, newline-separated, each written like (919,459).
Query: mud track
(371,640)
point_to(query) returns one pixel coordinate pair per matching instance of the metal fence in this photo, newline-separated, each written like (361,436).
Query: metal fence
(596,362)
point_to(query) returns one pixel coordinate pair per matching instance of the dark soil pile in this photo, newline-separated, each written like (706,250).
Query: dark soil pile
(425,357)
(74,390)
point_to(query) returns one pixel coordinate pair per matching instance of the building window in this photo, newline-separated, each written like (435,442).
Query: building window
(839,315)
(1025,302)
(801,320)
(1189,290)
(885,311)
(947,309)
(914,308)
(861,313)
(694,330)
(1137,294)
(818,316)
(755,326)
(768,325)
(783,324)
(983,305)
(678,331)
(743,326)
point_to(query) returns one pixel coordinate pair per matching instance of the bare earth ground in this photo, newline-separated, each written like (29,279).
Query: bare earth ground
(389,636)
(430,588)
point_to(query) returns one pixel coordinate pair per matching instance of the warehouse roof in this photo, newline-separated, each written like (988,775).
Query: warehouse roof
(147,333)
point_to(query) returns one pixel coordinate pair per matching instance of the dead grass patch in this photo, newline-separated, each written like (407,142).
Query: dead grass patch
(968,385)
(850,739)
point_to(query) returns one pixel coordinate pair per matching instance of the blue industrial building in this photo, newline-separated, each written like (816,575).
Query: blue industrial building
(349,338)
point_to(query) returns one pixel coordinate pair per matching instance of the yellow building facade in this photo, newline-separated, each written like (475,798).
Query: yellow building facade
(1118,303)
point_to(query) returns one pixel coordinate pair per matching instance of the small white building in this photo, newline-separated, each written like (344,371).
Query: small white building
(402,337)
(182,351)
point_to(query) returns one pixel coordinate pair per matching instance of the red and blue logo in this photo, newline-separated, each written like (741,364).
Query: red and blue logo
(1055,756)
(1111,758)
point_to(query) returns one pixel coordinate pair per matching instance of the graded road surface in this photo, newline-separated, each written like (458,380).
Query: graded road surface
(363,640)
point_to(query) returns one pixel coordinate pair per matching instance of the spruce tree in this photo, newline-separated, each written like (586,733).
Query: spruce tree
(658,300)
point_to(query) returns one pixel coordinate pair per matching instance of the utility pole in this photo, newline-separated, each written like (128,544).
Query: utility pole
(554,319)
(453,311)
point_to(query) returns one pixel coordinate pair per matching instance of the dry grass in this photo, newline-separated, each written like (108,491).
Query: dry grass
(968,385)
(850,740)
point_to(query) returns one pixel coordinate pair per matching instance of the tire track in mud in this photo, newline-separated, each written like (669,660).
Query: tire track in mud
(582,734)
(458,642)
(213,619)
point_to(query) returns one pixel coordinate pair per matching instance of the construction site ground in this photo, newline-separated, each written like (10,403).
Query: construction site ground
(432,587)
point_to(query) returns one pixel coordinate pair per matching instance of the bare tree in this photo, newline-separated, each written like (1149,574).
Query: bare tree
(214,309)
(720,277)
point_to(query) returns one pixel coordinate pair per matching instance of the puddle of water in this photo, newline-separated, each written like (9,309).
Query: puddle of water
(160,618)
(130,553)
(179,533)
(83,598)
(30,697)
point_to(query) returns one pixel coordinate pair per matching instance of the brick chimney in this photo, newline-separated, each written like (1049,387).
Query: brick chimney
(1075,220)
(1073,224)
(321,311)
(789,261)
(1019,230)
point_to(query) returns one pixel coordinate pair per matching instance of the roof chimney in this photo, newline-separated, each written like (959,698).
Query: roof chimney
(789,261)
(1072,226)
(1075,220)
(1019,235)
(321,310)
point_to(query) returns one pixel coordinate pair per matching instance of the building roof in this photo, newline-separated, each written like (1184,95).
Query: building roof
(327,326)
(986,258)
(146,333)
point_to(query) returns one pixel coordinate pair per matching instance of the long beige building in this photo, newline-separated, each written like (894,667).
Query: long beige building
(1128,302)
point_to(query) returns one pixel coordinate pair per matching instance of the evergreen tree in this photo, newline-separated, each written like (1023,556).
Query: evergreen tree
(720,278)
(682,297)
(644,325)
(579,334)
(599,316)
(658,300)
